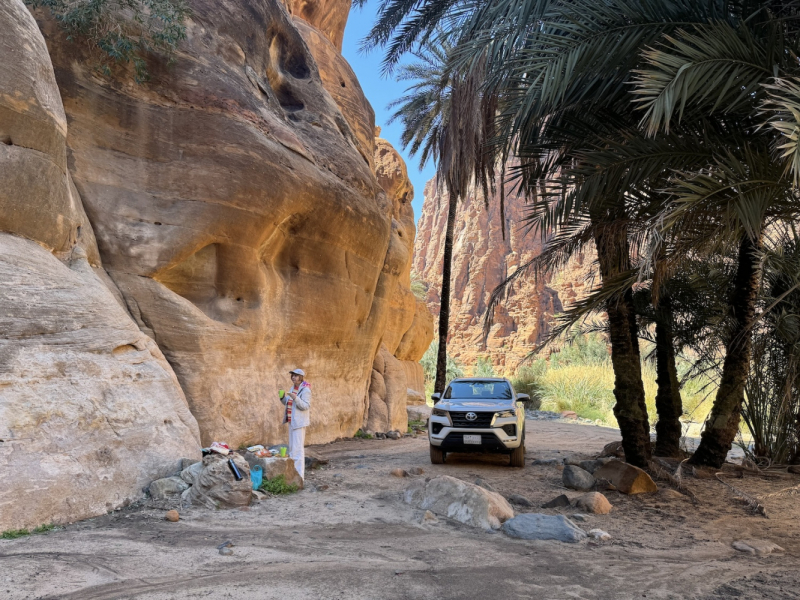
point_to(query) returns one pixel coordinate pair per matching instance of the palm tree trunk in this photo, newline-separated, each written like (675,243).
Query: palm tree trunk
(722,424)
(669,404)
(630,409)
(444,310)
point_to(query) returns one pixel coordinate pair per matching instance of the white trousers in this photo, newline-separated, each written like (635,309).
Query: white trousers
(297,440)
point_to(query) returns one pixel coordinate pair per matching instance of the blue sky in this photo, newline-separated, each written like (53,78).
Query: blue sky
(380,91)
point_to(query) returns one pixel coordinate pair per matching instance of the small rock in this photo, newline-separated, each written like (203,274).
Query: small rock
(757,547)
(593,465)
(314,462)
(546,461)
(394,435)
(557,502)
(577,479)
(670,494)
(569,414)
(380,435)
(258,496)
(594,502)
(599,534)
(169,487)
(613,449)
(228,544)
(794,469)
(484,484)
(225,551)
(399,473)
(519,500)
(321,488)
(416,471)
(626,478)
(580,517)
(535,526)
(429,518)
(172,516)
(576,462)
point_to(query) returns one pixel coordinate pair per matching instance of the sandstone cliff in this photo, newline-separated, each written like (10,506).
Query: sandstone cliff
(182,244)
(481,260)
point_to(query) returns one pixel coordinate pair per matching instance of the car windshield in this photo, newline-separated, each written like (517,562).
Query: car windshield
(479,390)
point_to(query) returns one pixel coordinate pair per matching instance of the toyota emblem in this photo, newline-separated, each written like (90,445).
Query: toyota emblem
(471,416)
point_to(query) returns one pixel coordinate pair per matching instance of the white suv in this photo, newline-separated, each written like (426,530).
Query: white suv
(478,414)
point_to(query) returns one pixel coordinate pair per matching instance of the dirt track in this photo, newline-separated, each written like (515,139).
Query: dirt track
(358,540)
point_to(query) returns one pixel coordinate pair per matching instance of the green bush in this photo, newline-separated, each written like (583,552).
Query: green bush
(44,528)
(13,534)
(362,435)
(278,486)
(121,31)
(483,367)
(428,362)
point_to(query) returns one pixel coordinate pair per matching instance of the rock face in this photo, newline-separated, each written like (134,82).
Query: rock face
(237,210)
(481,260)
(168,257)
(90,411)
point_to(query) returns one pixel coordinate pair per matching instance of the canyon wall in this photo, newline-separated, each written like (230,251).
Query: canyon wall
(482,259)
(183,243)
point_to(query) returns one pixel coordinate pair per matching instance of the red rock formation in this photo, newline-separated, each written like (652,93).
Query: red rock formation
(481,260)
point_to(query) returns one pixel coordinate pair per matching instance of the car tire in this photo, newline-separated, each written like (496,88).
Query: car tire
(437,455)
(518,456)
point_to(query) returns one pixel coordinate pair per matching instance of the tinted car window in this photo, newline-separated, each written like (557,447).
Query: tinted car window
(478,390)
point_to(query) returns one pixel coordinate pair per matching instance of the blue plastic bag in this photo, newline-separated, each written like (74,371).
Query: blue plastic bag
(256,476)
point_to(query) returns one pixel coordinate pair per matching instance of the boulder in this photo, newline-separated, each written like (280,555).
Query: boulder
(576,478)
(399,473)
(519,500)
(276,466)
(593,502)
(757,547)
(535,526)
(216,487)
(626,478)
(592,465)
(613,449)
(172,516)
(192,472)
(168,487)
(460,501)
(557,502)
(419,412)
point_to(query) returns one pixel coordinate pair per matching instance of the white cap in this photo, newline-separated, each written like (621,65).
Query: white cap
(298,372)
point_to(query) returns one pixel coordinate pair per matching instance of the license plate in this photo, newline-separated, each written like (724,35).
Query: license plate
(472,439)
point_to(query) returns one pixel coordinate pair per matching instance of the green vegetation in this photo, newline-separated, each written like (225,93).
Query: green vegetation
(580,378)
(121,31)
(428,362)
(44,528)
(278,486)
(13,534)
(417,426)
(483,367)
(418,287)
(362,435)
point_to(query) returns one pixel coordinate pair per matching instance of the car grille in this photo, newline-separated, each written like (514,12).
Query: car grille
(460,419)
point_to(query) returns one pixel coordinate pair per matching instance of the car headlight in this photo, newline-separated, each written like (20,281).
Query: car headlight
(506,413)
(438,412)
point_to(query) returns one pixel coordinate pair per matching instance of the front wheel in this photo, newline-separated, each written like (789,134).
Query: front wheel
(437,455)
(518,456)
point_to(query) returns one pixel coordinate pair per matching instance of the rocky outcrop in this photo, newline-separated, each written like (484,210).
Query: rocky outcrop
(168,257)
(481,260)
(237,213)
(408,329)
(90,410)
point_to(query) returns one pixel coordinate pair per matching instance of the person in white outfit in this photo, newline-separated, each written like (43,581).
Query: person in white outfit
(296,414)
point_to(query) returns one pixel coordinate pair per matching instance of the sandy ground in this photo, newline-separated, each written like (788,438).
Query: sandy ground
(357,539)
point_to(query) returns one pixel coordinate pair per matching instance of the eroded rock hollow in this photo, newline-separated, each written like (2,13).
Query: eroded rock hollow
(174,251)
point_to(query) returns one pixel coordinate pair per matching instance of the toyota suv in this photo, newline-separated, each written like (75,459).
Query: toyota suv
(478,414)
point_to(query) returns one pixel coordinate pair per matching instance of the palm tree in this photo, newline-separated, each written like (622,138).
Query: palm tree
(443,118)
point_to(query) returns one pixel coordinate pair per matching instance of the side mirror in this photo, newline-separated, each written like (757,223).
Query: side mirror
(523,397)
(436,397)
